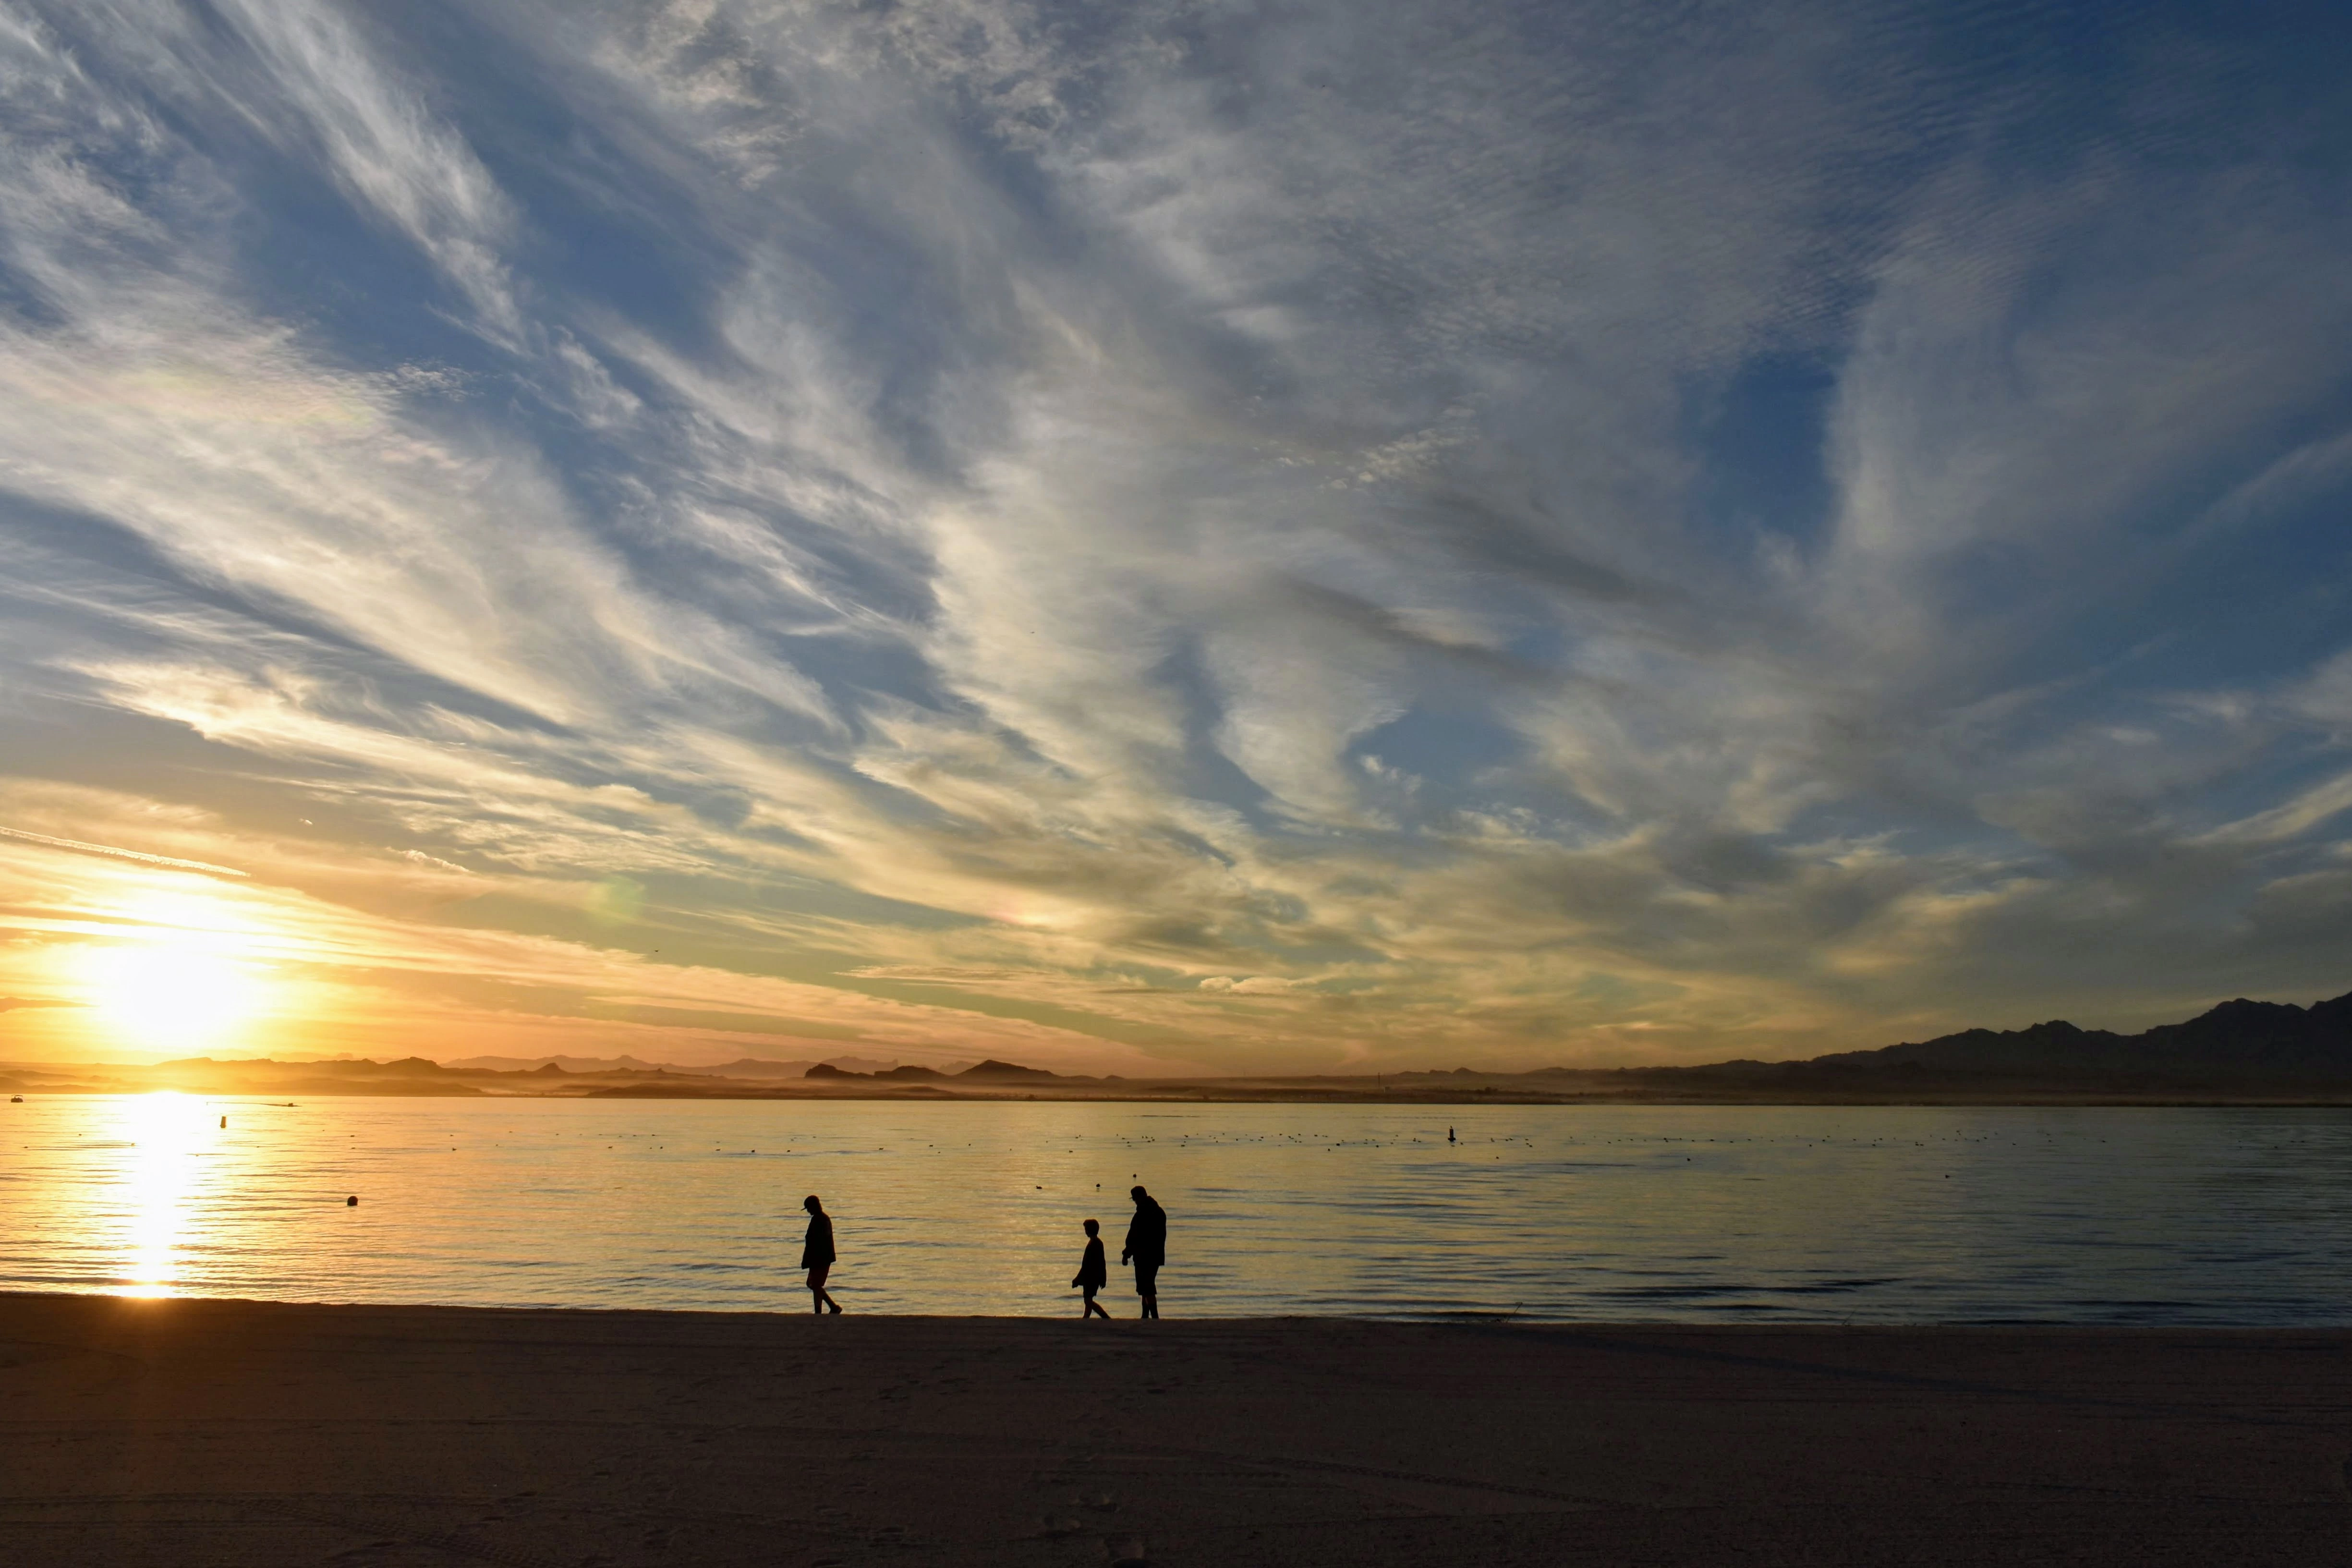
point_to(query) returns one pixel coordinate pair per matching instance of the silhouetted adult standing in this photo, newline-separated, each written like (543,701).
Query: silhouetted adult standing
(1147,1246)
(816,1254)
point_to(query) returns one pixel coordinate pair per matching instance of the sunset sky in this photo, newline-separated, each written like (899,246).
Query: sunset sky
(1167,537)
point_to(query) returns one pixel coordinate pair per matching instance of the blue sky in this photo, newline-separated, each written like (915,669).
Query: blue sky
(1169,537)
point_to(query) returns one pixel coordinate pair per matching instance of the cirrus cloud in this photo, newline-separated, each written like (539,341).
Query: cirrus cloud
(1176,537)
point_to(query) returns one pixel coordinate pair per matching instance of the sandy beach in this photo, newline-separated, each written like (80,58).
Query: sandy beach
(195,1432)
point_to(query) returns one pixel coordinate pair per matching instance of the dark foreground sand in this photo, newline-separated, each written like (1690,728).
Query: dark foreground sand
(214,1432)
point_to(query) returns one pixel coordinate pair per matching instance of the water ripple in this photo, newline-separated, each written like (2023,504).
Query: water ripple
(1691,1214)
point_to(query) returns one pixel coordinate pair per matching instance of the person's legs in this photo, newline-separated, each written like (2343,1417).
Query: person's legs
(1146,1285)
(1094,1308)
(819,1299)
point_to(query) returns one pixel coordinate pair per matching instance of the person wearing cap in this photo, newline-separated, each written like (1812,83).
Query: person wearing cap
(1146,1248)
(816,1254)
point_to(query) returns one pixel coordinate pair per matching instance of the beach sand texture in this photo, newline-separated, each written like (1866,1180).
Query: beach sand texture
(195,1432)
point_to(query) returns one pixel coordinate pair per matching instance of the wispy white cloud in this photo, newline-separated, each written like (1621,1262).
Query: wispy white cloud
(385,144)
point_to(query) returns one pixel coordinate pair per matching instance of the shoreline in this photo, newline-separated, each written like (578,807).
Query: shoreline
(199,1430)
(788,1295)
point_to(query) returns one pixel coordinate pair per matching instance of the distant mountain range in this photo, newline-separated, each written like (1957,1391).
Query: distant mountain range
(743,1067)
(2238,1042)
(2239,1051)
(989,1071)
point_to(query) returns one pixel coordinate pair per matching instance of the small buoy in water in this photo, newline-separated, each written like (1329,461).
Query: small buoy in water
(351,1203)
(15,1100)
(224,1121)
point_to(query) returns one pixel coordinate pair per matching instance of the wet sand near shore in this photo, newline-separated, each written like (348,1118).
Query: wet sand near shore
(193,1433)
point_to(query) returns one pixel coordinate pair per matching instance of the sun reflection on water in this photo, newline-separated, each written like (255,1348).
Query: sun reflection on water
(165,1129)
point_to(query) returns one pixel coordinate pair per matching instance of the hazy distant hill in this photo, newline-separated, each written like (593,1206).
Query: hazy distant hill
(898,1074)
(567,1064)
(742,1067)
(989,1071)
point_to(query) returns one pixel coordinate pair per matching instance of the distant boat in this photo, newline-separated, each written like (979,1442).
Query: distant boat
(15,1100)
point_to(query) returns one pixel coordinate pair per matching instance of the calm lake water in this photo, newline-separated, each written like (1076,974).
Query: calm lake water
(1716,1214)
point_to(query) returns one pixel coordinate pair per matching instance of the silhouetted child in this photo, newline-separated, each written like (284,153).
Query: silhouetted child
(1093,1272)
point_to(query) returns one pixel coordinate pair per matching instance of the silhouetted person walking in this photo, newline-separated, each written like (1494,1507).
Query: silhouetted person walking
(816,1254)
(1093,1272)
(1146,1245)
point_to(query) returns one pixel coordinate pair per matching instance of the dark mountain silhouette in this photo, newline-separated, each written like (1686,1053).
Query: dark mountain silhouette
(2236,1041)
(993,1070)
(989,1071)
(908,1073)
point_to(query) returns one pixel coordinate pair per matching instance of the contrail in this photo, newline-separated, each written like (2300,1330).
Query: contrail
(139,855)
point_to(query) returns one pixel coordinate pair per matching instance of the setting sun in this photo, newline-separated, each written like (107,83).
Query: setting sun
(173,992)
